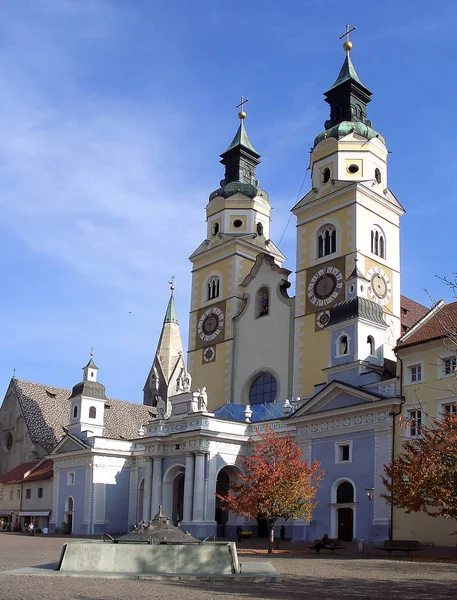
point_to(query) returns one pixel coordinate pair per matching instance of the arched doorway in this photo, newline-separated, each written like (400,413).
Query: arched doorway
(226,520)
(139,502)
(173,493)
(69,512)
(345,496)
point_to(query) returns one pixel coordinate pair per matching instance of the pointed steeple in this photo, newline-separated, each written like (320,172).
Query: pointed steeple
(348,97)
(240,161)
(166,373)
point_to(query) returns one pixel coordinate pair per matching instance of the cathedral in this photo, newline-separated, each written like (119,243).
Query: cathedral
(320,366)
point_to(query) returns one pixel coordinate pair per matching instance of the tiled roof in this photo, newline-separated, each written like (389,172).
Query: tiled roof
(42,472)
(17,474)
(411,313)
(46,411)
(441,323)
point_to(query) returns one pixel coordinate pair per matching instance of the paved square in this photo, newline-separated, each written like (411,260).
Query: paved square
(304,576)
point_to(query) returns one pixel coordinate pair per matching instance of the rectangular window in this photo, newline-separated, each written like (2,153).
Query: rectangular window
(416,373)
(40,492)
(18,494)
(449,365)
(343,452)
(11,494)
(450,408)
(71,478)
(415,422)
(28,493)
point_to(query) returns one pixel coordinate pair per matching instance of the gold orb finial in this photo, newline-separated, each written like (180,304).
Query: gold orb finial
(347,46)
(172,283)
(242,115)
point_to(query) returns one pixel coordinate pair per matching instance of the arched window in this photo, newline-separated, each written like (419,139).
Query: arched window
(75,411)
(259,228)
(69,504)
(343,345)
(213,288)
(216,228)
(263,302)
(378,175)
(92,412)
(345,493)
(326,175)
(326,241)
(371,346)
(263,389)
(378,242)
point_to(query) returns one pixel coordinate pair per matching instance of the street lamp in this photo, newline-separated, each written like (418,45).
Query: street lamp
(370,495)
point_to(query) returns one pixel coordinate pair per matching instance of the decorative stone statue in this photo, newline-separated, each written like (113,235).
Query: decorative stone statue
(160,408)
(202,400)
(187,381)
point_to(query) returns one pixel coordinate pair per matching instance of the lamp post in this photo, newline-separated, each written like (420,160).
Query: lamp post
(370,495)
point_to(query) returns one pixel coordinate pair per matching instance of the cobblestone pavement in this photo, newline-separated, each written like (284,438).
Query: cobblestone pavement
(304,576)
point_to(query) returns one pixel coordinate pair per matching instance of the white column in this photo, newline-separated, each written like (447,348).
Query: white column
(147,491)
(199,486)
(156,486)
(188,487)
(133,496)
(55,498)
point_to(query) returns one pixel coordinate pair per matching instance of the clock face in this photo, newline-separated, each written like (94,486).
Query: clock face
(325,285)
(209,354)
(210,324)
(323,318)
(379,288)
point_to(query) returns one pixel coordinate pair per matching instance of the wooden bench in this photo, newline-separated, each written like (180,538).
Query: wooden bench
(334,544)
(406,546)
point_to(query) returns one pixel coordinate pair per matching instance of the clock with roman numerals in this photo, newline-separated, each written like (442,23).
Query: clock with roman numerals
(325,286)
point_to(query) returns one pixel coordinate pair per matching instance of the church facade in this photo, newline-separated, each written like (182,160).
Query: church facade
(319,366)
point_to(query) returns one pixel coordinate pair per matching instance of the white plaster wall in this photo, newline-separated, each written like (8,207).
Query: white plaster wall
(263,343)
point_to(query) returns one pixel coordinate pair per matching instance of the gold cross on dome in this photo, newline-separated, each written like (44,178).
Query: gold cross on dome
(347,44)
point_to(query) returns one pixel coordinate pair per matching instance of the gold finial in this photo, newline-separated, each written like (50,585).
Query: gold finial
(242,113)
(171,282)
(347,46)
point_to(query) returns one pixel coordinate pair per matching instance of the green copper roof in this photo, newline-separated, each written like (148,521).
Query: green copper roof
(345,127)
(171,316)
(347,73)
(242,139)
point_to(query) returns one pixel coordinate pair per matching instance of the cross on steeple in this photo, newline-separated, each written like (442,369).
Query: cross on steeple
(347,44)
(242,113)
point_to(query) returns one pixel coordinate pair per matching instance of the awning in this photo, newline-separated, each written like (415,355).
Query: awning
(38,513)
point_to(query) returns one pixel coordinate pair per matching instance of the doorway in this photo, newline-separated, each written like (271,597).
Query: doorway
(345,524)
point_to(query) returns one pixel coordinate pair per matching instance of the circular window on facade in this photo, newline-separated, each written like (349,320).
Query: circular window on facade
(353,168)
(237,223)
(264,389)
(8,440)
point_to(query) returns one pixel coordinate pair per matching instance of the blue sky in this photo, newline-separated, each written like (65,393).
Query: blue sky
(112,118)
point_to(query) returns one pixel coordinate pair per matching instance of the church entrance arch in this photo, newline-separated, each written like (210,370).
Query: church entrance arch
(173,493)
(226,520)
(343,508)
(69,512)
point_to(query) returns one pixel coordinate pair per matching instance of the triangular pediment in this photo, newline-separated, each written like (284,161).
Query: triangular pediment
(335,396)
(69,443)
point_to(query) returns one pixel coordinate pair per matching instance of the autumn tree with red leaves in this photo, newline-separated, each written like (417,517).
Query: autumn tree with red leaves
(275,483)
(423,478)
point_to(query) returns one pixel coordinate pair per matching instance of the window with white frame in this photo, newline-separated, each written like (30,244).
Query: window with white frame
(415,373)
(326,241)
(212,288)
(378,242)
(71,478)
(415,422)
(342,345)
(343,452)
(448,366)
(449,407)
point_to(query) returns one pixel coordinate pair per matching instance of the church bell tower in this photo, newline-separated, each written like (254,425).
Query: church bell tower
(349,213)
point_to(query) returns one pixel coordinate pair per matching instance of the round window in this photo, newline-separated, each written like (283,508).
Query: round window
(264,389)
(8,440)
(237,223)
(353,168)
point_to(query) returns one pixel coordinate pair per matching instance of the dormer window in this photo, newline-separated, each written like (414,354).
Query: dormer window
(326,241)
(378,242)
(213,288)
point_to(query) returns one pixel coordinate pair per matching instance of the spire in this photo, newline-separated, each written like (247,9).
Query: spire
(240,160)
(171,315)
(348,97)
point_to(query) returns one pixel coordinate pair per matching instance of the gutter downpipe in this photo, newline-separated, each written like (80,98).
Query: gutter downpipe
(394,416)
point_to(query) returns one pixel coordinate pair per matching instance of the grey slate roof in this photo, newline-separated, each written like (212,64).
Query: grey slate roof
(91,389)
(46,410)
